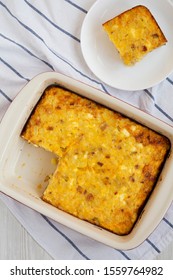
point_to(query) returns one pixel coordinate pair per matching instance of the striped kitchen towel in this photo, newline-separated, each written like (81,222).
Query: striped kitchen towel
(41,36)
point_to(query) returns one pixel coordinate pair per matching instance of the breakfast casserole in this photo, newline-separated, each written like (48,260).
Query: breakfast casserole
(134,33)
(108,163)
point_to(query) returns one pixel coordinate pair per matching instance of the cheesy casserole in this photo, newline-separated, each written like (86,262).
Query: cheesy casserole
(134,33)
(108,164)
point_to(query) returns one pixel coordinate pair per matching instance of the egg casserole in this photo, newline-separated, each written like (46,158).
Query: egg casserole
(134,33)
(108,164)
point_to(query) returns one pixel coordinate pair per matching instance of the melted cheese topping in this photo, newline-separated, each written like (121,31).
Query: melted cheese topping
(108,164)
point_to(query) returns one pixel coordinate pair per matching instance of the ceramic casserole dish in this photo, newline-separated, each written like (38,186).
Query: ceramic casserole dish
(23,167)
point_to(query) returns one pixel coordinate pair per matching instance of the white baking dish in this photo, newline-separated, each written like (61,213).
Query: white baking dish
(23,167)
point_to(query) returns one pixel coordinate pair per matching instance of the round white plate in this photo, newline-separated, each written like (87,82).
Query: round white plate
(102,57)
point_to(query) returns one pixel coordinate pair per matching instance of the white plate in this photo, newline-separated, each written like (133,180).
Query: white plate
(102,57)
(23,167)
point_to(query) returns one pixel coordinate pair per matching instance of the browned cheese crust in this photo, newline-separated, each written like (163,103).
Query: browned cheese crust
(134,34)
(108,164)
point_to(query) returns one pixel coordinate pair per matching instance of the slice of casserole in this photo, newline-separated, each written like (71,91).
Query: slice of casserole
(134,33)
(108,163)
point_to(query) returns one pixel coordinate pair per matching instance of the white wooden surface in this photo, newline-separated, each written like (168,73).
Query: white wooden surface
(16,243)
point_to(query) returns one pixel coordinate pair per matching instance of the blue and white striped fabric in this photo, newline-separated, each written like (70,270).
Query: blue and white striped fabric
(40,36)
